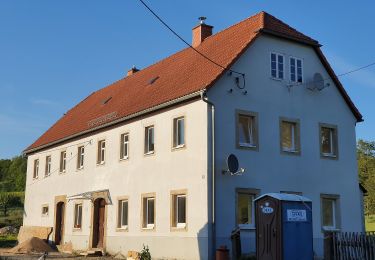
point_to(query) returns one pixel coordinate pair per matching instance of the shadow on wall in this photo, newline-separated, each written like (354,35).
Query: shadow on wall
(203,242)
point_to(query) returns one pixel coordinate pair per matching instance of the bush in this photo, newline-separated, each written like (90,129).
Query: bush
(145,253)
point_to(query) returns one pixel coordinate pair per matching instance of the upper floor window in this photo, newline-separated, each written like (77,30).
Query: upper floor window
(330,212)
(178,132)
(122,214)
(148,215)
(101,152)
(247,132)
(179,210)
(78,215)
(81,157)
(289,134)
(36,169)
(63,161)
(328,141)
(124,146)
(277,66)
(149,140)
(296,70)
(48,165)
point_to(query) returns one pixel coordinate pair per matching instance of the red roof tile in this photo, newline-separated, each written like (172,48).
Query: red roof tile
(179,75)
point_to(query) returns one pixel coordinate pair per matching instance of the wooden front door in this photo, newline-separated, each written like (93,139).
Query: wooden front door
(98,223)
(268,229)
(59,228)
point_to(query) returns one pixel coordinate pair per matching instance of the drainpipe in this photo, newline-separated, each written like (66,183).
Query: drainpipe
(213,188)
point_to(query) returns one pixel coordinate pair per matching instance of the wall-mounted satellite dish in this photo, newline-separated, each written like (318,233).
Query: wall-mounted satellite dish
(317,83)
(233,166)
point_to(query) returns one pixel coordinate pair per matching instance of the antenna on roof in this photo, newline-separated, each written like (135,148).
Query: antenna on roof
(202,19)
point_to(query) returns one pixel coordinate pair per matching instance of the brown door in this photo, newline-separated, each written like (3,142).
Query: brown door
(98,223)
(268,229)
(59,228)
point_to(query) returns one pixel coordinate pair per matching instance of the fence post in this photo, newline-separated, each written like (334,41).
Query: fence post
(328,246)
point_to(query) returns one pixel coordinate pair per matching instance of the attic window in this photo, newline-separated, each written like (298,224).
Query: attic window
(105,101)
(153,80)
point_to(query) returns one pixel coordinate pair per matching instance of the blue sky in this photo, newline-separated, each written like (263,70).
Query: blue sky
(55,53)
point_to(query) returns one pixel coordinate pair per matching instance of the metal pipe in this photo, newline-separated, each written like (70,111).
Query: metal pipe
(213,188)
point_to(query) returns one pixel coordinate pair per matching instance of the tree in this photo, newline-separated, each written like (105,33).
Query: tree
(366,171)
(9,199)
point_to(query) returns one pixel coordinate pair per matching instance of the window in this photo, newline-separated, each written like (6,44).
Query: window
(277,66)
(101,152)
(81,157)
(148,215)
(124,147)
(245,207)
(296,70)
(289,136)
(36,169)
(123,214)
(178,132)
(48,165)
(330,212)
(328,141)
(45,210)
(247,130)
(78,216)
(178,210)
(63,161)
(149,140)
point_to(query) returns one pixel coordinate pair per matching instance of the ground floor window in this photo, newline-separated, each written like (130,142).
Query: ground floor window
(178,208)
(78,215)
(245,207)
(330,212)
(45,210)
(148,211)
(123,214)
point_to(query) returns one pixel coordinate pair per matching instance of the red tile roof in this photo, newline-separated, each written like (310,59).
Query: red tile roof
(181,74)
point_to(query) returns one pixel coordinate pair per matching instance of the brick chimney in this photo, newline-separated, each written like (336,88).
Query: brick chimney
(201,32)
(132,71)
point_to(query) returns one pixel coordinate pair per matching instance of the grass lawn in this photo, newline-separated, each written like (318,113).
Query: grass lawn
(370,223)
(14,218)
(8,241)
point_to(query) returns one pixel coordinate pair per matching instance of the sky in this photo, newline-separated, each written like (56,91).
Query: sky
(55,53)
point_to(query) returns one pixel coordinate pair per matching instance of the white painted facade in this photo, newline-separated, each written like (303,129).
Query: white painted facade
(267,169)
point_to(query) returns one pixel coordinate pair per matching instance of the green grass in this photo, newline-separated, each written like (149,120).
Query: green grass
(370,223)
(8,241)
(14,218)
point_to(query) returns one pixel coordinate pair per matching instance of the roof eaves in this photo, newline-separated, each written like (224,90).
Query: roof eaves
(289,37)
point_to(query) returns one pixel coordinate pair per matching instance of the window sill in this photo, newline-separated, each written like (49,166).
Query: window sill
(122,229)
(148,228)
(80,168)
(177,229)
(178,147)
(247,146)
(276,79)
(100,164)
(291,152)
(149,153)
(328,156)
(124,159)
(62,172)
(77,229)
(330,229)
(44,215)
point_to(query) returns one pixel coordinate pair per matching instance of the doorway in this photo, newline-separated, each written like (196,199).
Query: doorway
(59,228)
(98,223)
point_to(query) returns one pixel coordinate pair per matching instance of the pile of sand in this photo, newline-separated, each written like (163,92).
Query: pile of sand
(32,245)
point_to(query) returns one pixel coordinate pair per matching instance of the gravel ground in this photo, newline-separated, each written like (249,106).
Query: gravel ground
(55,255)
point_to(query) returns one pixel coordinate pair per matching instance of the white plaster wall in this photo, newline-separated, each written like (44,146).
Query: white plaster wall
(161,173)
(268,169)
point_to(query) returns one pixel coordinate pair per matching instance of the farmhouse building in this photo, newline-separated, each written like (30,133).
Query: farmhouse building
(143,160)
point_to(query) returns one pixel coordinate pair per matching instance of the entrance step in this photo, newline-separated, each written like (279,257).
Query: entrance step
(93,252)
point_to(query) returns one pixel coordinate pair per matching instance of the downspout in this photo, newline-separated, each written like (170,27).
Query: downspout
(213,188)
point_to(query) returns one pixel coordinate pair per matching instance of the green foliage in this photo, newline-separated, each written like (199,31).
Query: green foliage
(13,174)
(14,217)
(10,199)
(7,241)
(145,253)
(366,171)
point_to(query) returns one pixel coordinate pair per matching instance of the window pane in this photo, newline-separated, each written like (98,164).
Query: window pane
(244,208)
(273,65)
(245,130)
(124,215)
(181,210)
(150,211)
(181,133)
(326,140)
(327,211)
(288,136)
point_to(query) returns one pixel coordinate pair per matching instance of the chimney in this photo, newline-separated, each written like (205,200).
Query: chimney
(201,32)
(132,71)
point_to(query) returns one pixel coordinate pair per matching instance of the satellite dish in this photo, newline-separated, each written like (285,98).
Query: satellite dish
(318,81)
(233,166)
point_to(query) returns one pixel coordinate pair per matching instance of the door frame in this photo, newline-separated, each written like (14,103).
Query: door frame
(58,199)
(92,222)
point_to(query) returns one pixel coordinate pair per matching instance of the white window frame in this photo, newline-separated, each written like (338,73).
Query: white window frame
(147,139)
(81,157)
(76,215)
(334,206)
(120,215)
(145,211)
(277,65)
(101,152)
(180,225)
(333,135)
(48,165)
(177,133)
(296,70)
(63,162)
(254,193)
(295,138)
(36,169)
(253,131)
(124,146)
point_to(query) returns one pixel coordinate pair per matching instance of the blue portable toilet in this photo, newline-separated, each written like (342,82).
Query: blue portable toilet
(283,227)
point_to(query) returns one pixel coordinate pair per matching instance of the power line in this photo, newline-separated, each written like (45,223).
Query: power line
(190,46)
(355,70)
